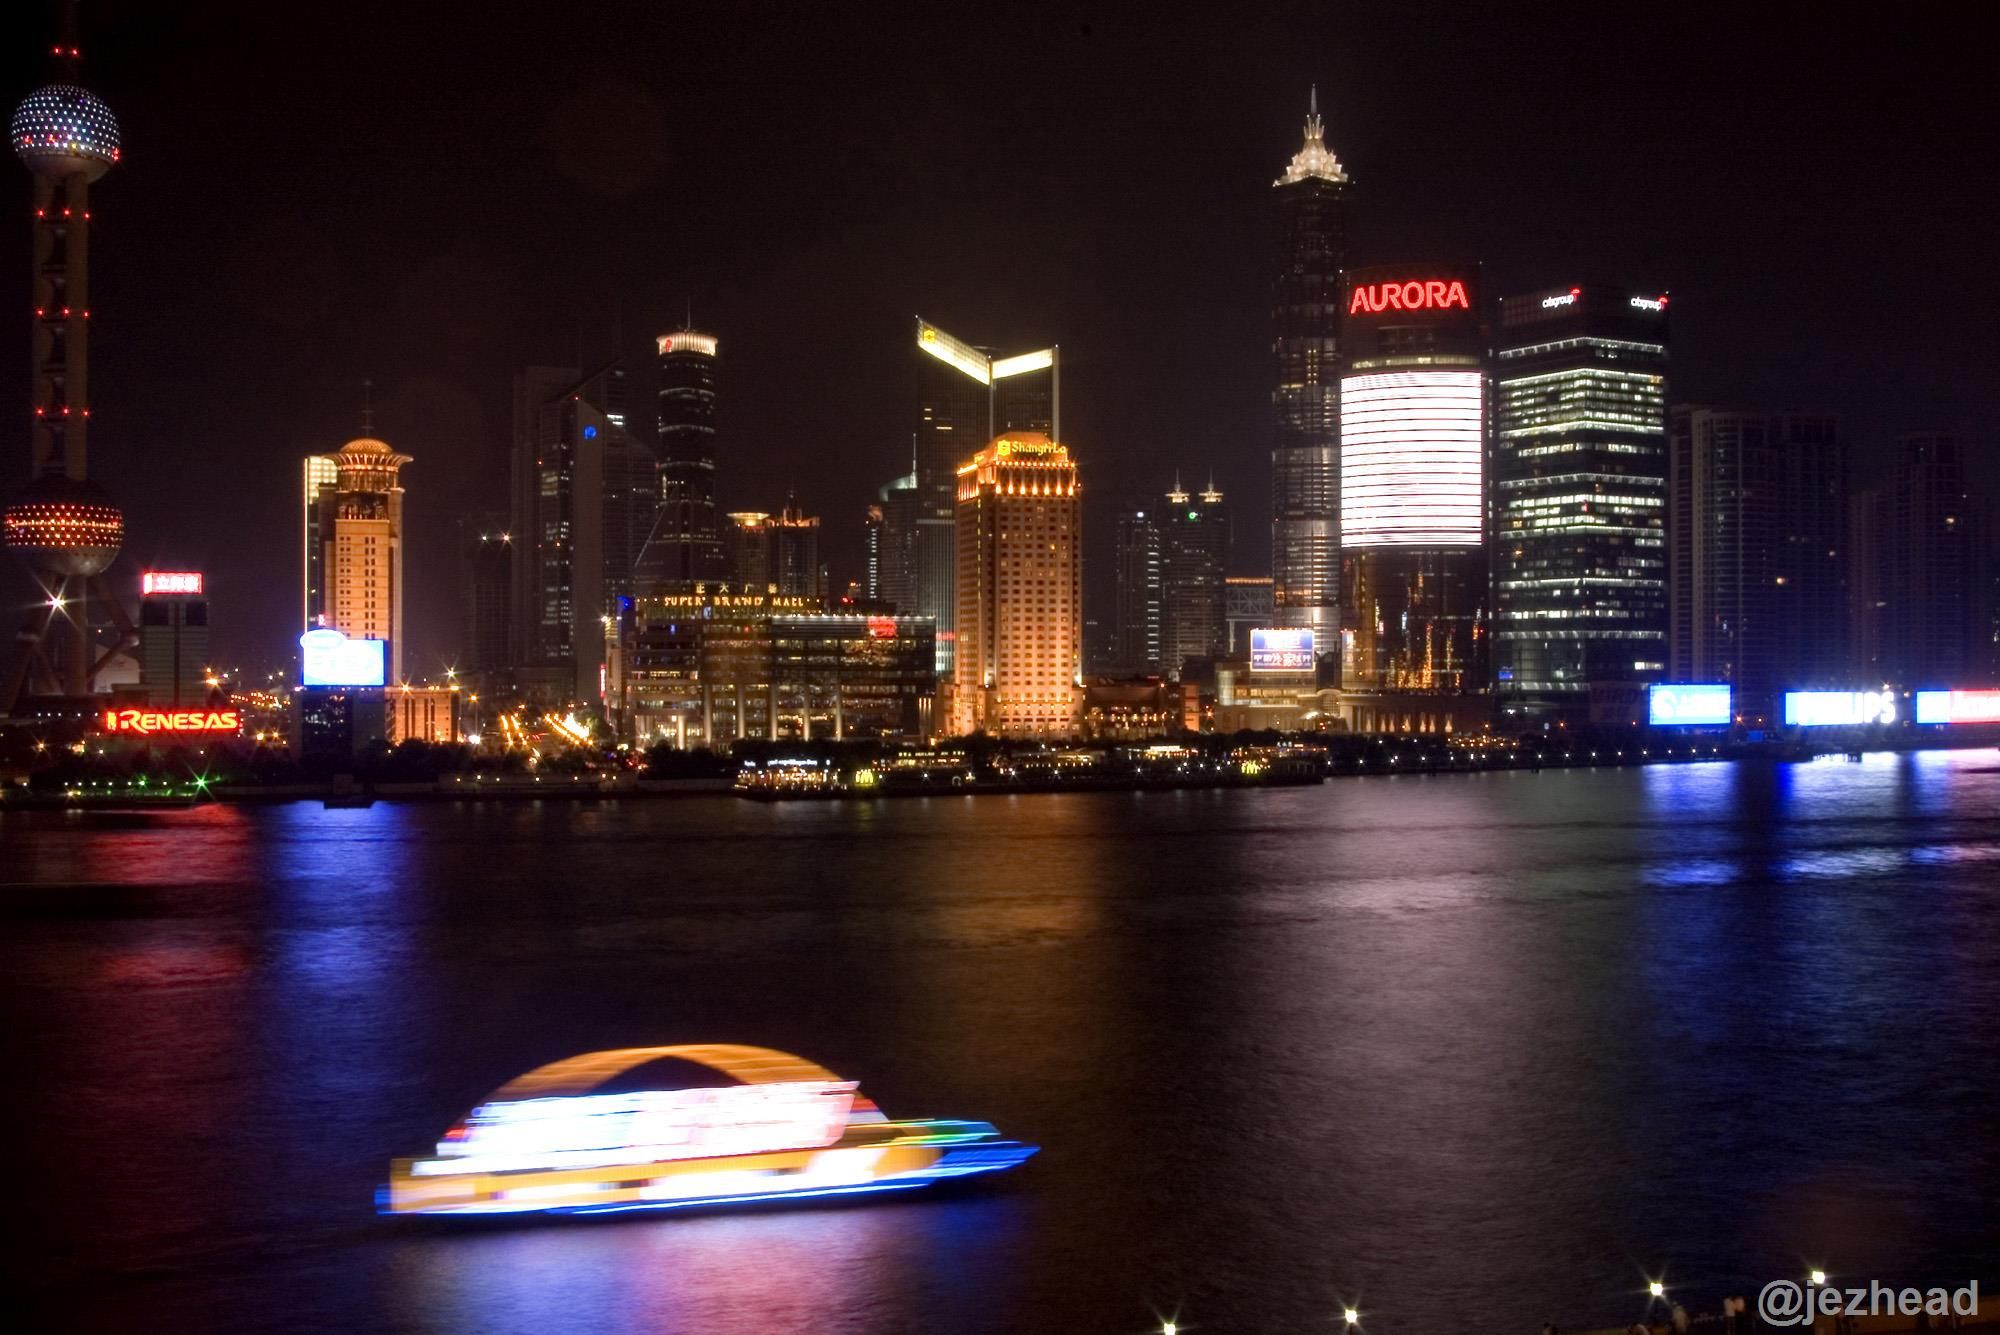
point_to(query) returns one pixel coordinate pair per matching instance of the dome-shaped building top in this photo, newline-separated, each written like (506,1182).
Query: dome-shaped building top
(62,130)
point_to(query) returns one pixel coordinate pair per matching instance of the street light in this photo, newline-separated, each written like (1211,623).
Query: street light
(1655,1288)
(1351,1316)
(1816,1277)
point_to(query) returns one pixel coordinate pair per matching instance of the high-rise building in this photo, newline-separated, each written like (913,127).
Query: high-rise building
(1019,667)
(361,560)
(63,525)
(871,538)
(1755,536)
(1921,571)
(688,541)
(1306,336)
(321,481)
(1412,492)
(1194,560)
(901,504)
(1579,496)
(173,638)
(486,564)
(1135,629)
(593,502)
(776,552)
(535,437)
(965,397)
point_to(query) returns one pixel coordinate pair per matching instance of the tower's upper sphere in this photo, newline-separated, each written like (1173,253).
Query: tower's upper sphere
(61,129)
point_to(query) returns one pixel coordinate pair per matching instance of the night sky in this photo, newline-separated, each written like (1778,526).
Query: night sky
(430,195)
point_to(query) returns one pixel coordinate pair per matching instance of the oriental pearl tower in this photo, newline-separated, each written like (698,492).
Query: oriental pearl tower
(61,524)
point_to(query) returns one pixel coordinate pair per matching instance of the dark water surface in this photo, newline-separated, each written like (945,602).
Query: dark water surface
(1474,1050)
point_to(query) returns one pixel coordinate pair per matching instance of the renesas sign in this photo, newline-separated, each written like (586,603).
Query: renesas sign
(1415,294)
(145,722)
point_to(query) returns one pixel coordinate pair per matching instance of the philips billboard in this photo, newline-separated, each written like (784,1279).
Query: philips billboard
(1958,706)
(1281,649)
(328,658)
(1685,705)
(1838,709)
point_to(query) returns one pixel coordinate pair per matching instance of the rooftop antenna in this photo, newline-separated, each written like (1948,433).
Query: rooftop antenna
(367,407)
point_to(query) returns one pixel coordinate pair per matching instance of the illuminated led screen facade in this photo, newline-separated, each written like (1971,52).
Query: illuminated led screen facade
(1410,458)
(1679,704)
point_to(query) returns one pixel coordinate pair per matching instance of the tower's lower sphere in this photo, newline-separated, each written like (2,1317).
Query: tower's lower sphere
(63,527)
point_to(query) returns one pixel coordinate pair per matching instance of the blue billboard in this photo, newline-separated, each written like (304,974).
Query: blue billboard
(1688,705)
(328,658)
(1838,709)
(1281,649)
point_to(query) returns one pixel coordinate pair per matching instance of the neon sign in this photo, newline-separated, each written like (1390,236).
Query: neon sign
(148,721)
(881,628)
(1566,299)
(1430,294)
(1658,303)
(169,581)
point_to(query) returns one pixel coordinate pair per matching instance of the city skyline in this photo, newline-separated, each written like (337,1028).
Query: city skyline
(832,425)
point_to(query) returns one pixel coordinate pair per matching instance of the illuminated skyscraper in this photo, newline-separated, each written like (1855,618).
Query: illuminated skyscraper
(63,525)
(1579,496)
(1412,498)
(1135,629)
(361,528)
(965,397)
(321,481)
(688,539)
(1194,558)
(1018,672)
(1306,336)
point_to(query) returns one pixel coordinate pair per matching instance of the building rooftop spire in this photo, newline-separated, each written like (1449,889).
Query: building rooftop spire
(1314,159)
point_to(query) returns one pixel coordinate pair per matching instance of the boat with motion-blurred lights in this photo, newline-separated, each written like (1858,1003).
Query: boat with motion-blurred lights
(772,1127)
